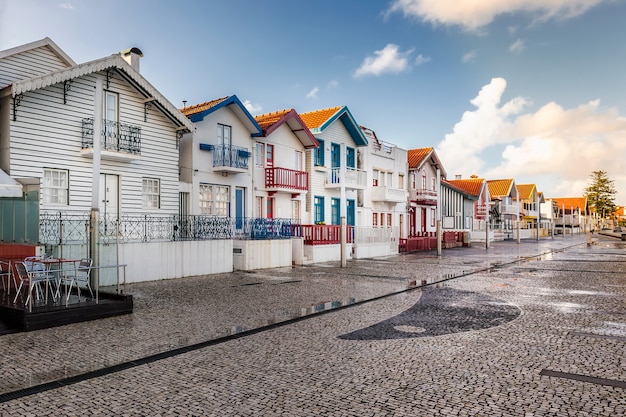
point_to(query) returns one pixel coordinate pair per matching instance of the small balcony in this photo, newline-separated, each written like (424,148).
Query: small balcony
(228,158)
(389,194)
(286,180)
(118,141)
(354,179)
(424,197)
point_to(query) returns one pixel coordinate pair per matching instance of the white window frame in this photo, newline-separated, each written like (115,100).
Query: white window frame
(259,157)
(151,193)
(214,200)
(298,160)
(55,186)
(205,199)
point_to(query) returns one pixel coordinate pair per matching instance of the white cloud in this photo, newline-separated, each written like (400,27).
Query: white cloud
(252,108)
(473,15)
(387,60)
(313,93)
(469,57)
(66,6)
(517,47)
(421,59)
(554,147)
(332,84)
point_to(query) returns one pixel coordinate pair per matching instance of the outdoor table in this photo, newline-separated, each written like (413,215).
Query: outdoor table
(48,262)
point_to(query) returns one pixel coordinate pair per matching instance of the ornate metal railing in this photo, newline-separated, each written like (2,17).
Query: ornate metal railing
(115,136)
(230,156)
(258,228)
(62,228)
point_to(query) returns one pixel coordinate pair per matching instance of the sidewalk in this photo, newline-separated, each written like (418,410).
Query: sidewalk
(176,313)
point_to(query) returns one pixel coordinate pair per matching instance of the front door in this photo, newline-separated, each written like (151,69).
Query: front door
(423,225)
(109,199)
(350,212)
(335,160)
(240,207)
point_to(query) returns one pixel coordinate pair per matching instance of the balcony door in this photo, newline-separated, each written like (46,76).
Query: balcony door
(110,123)
(240,206)
(335,161)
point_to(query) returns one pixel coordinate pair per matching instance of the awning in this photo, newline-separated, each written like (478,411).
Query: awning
(8,186)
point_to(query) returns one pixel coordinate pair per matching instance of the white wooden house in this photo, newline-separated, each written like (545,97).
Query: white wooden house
(281,182)
(95,136)
(382,206)
(336,174)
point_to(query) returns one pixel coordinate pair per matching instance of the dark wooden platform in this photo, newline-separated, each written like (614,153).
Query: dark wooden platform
(17,318)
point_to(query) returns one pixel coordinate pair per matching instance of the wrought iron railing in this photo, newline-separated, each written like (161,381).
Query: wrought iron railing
(230,156)
(115,136)
(62,228)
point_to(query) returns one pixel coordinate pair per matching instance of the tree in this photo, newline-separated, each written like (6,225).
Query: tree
(601,194)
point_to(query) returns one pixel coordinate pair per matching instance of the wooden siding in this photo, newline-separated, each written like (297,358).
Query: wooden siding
(31,63)
(48,134)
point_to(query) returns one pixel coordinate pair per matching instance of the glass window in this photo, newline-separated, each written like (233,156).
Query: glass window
(258,157)
(151,193)
(295,211)
(55,186)
(424,181)
(319,154)
(375,178)
(270,155)
(350,158)
(110,106)
(222,200)
(319,209)
(401,181)
(223,135)
(206,199)
(335,211)
(389,219)
(298,161)
(434,181)
(374,219)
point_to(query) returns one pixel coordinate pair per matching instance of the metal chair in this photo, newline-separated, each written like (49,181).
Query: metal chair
(80,276)
(5,273)
(32,279)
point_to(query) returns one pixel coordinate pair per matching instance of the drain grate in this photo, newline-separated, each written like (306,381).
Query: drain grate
(584,378)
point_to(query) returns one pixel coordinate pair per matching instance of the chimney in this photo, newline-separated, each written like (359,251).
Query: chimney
(458,177)
(132,56)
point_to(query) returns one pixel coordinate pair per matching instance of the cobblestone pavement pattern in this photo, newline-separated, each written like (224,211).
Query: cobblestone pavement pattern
(474,344)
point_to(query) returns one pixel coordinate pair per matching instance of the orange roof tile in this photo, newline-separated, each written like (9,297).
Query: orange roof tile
(525,191)
(268,119)
(499,188)
(315,119)
(569,202)
(472,186)
(416,156)
(198,108)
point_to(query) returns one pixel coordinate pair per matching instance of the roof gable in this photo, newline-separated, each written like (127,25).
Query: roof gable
(198,112)
(571,202)
(417,157)
(526,191)
(42,43)
(317,121)
(471,186)
(121,67)
(271,121)
(502,188)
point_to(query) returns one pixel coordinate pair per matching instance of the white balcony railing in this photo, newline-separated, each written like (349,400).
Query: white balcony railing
(389,194)
(354,178)
(423,196)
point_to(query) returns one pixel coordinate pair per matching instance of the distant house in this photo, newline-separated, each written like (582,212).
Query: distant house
(425,172)
(463,204)
(505,209)
(569,213)
(75,136)
(529,200)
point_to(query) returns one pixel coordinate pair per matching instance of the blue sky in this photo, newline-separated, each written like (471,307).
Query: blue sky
(533,90)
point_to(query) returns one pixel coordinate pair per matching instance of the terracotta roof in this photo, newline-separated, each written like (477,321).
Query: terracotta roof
(198,108)
(268,119)
(569,202)
(525,191)
(416,156)
(472,186)
(499,188)
(315,119)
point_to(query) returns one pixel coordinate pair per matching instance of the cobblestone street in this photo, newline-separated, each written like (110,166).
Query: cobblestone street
(530,329)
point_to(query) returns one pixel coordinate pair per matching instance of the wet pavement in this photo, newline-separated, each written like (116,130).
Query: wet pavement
(536,328)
